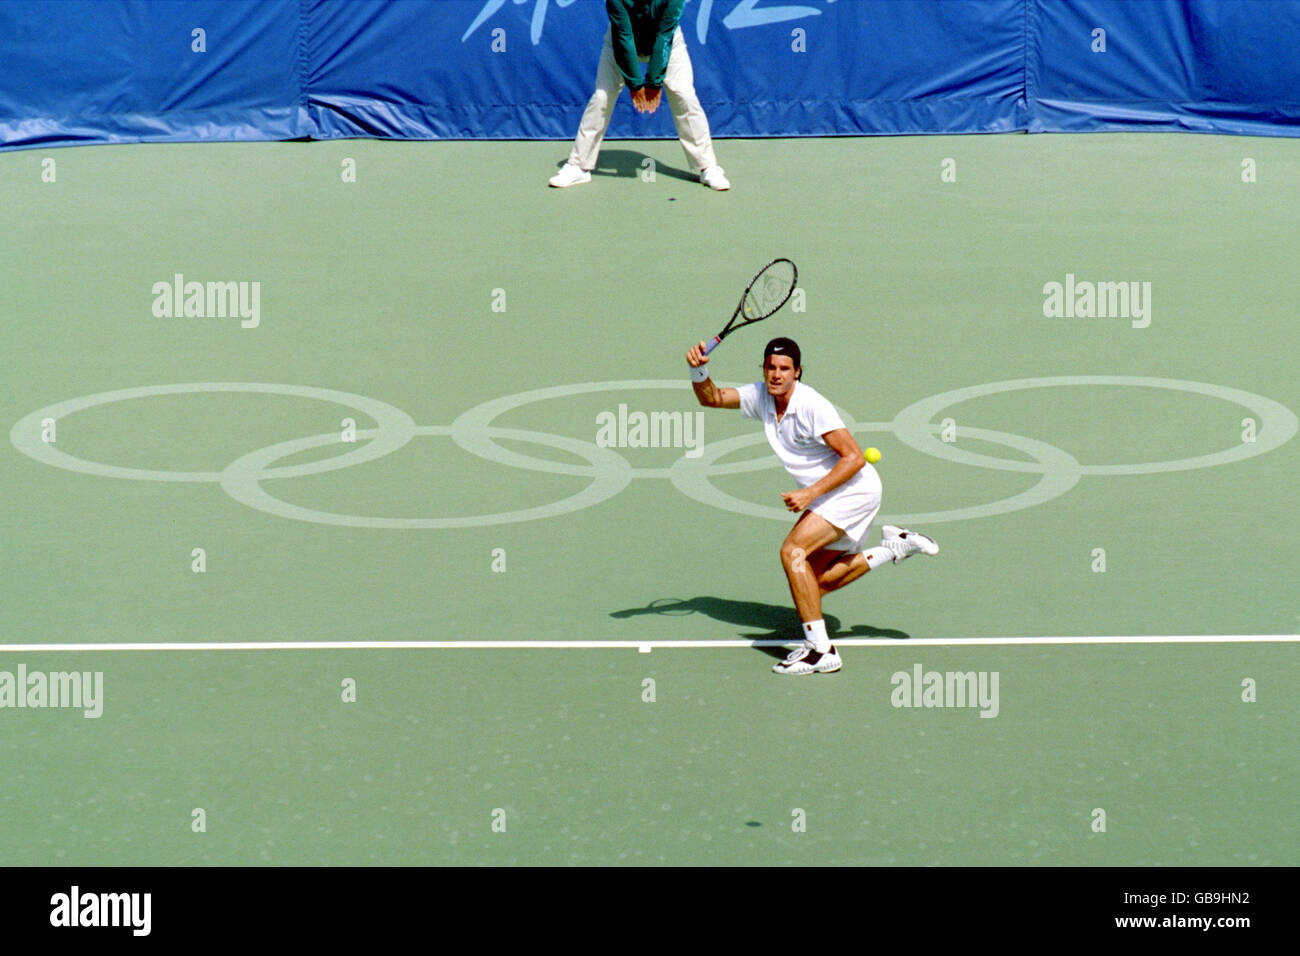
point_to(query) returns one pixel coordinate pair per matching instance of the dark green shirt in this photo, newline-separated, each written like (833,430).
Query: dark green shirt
(643,28)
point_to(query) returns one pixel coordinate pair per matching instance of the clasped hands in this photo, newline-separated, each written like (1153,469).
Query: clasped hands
(646,99)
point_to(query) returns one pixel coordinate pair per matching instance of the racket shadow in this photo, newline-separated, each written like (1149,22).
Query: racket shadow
(775,622)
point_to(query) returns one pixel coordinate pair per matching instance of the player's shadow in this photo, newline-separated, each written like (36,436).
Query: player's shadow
(627,164)
(775,622)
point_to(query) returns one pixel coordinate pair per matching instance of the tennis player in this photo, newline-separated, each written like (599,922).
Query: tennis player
(838,493)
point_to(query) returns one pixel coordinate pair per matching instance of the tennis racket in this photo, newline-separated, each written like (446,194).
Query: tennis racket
(765,294)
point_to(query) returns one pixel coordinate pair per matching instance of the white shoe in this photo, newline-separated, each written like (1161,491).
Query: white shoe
(715,178)
(805,660)
(799,652)
(904,543)
(570,175)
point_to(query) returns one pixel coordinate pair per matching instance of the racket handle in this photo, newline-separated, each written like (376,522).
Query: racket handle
(712,345)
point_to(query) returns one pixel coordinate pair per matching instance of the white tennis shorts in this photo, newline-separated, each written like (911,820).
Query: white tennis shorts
(851,510)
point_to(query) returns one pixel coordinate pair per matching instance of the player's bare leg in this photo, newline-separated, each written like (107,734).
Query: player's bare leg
(810,534)
(835,569)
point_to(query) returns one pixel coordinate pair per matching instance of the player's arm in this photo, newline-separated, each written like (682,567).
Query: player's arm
(841,442)
(709,394)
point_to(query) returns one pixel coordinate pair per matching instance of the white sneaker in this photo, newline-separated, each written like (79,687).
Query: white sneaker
(904,543)
(805,660)
(570,175)
(715,178)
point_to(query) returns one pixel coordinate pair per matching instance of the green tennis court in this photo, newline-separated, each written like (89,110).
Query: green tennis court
(404,439)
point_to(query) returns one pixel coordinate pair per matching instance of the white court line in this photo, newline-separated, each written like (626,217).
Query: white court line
(642,646)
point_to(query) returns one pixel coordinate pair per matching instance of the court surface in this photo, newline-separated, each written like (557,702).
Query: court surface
(450,607)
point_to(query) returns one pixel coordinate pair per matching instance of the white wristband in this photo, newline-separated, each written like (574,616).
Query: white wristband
(699,373)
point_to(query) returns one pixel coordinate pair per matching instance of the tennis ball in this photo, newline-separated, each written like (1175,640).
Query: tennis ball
(872,455)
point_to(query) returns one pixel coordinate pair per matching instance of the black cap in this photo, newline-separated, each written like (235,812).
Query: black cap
(783,346)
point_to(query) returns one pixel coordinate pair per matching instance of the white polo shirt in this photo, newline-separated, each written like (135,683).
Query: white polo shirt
(797,437)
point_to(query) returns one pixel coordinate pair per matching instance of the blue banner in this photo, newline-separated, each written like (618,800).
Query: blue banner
(103,71)
(1225,67)
(82,71)
(505,70)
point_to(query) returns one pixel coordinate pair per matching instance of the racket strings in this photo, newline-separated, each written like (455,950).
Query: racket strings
(769,290)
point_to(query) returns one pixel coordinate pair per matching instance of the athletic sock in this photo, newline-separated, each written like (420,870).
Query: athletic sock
(878,556)
(814,633)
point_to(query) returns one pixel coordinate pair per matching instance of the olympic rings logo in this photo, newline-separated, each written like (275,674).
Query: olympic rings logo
(610,472)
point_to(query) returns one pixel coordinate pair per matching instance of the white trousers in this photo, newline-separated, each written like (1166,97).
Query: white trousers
(679,88)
